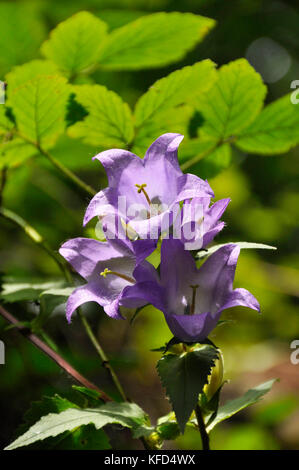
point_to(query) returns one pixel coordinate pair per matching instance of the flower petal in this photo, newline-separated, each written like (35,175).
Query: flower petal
(81,295)
(191,327)
(166,146)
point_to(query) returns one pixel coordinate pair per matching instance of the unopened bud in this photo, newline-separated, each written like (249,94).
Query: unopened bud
(215,379)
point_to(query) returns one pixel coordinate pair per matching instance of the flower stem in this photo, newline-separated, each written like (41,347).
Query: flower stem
(38,239)
(202,429)
(52,354)
(63,169)
(68,173)
(101,353)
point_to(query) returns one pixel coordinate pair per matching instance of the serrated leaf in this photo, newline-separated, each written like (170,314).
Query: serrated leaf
(274,131)
(85,437)
(180,87)
(242,245)
(23,73)
(233,102)
(126,414)
(234,406)
(22,32)
(75,44)
(184,377)
(154,40)
(39,108)
(169,120)
(13,290)
(109,122)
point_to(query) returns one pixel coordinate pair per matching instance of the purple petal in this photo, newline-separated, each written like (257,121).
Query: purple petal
(84,254)
(100,205)
(115,161)
(191,186)
(143,293)
(240,298)
(79,296)
(167,146)
(191,327)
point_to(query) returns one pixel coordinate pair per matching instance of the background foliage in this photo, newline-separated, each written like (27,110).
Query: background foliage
(99,68)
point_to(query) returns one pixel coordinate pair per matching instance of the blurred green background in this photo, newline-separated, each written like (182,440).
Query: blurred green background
(264,208)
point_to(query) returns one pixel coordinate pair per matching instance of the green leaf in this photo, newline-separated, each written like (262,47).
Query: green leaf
(208,167)
(13,290)
(39,108)
(109,122)
(170,120)
(23,73)
(154,40)
(49,300)
(75,44)
(234,406)
(22,32)
(14,152)
(5,123)
(184,377)
(85,437)
(275,130)
(176,89)
(242,245)
(126,414)
(233,102)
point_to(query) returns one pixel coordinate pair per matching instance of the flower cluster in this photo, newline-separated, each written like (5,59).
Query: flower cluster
(148,200)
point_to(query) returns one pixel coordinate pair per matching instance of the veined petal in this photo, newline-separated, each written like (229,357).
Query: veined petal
(240,298)
(191,327)
(115,161)
(81,295)
(143,293)
(166,146)
(84,254)
(191,186)
(104,202)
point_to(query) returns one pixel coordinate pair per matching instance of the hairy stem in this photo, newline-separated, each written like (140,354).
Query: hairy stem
(52,354)
(202,429)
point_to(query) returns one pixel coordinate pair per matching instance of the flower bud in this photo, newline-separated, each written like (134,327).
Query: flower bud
(215,379)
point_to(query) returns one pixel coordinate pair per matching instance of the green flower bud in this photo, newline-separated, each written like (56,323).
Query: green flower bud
(215,379)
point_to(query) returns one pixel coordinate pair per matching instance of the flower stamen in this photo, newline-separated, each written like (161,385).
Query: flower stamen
(123,276)
(142,190)
(194,289)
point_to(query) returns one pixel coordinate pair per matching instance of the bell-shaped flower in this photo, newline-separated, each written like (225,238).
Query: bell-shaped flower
(198,222)
(145,193)
(112,270)
(193,299)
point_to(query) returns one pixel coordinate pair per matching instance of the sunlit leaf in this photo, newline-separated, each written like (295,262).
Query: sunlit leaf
(75,44)
(275,130)
(109,122)
(154,40)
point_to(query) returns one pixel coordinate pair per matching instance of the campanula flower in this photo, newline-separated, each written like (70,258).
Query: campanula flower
(112,270)
(198,222)
(193,299)
(145,192)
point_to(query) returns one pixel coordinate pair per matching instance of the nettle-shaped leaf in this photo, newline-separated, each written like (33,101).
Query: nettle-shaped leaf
(72,418)
(184,376)
(39,109)
(154,40)
(75,44)
(109,121)
(231,114)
